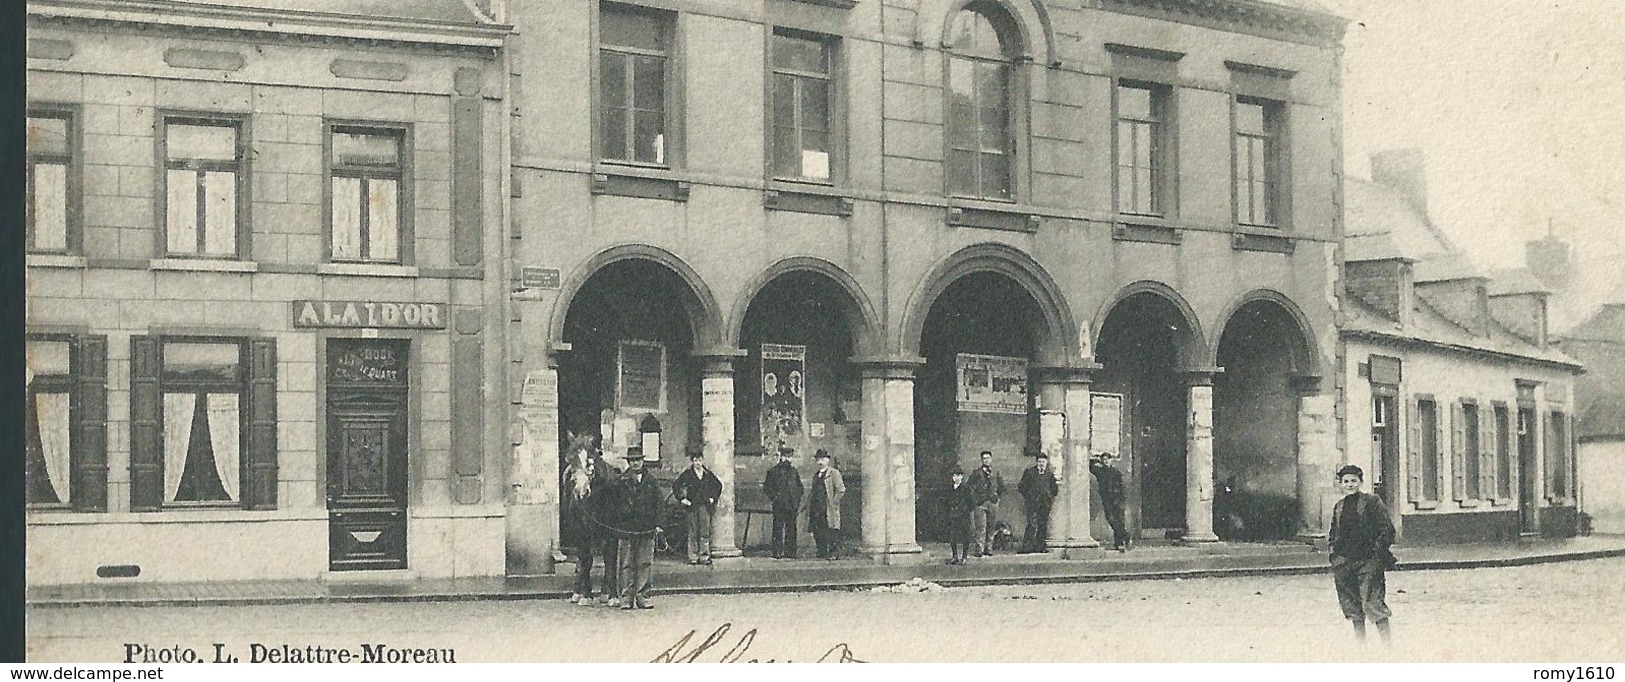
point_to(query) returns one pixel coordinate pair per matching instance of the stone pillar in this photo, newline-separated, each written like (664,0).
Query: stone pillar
(888,460)
(1316,434)
(1199,457)
(533,475)
(1066,390)
(717,436)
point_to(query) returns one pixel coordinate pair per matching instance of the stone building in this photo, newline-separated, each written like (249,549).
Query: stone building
(906,231)
(1456,400)
(265,270)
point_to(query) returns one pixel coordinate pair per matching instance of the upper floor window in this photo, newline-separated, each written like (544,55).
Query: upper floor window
(367,172)
(50,162)
(981,67)
(202,175)
(803,111)
(1258,152)
(633,53)
(1142,149)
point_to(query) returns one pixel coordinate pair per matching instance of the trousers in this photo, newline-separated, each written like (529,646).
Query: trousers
(584,558)
(1114,518)
(1037,529)
(1362,587)
(982,518)
(784,532)
(699,533)
(637,559)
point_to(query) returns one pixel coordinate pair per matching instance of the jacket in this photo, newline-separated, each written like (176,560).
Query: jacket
(1038,488)
(698,489)
(1369,532)
(783,486)
(834,489)
(639,504)
(986,485)
(958,502)
(1110,480)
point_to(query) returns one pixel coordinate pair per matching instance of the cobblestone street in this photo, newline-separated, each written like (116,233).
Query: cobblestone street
(1572,612)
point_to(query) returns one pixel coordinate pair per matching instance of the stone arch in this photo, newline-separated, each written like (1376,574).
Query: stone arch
(699,305)
(1056,345)
(860,313)
(1305,354)
(1032,20)
(1193,347)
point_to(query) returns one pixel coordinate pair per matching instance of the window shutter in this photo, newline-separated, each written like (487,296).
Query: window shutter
(146,425)
(1458,451)
(1488,446)
(1414,461)
(89,440)
(260,490)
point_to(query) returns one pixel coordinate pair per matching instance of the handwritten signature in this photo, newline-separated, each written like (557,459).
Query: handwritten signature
(840,653)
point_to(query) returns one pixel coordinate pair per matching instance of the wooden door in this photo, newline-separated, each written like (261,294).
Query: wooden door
(367,452)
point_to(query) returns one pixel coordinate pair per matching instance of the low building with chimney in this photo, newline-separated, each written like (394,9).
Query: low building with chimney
(1457,402)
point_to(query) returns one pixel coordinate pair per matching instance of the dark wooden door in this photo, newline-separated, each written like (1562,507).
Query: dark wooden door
(1385,441)
(1527,484)
(1158,441)
(366,455)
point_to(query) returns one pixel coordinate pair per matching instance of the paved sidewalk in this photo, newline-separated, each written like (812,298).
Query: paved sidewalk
(760,574)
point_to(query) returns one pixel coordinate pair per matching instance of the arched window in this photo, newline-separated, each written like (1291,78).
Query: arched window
(983,45)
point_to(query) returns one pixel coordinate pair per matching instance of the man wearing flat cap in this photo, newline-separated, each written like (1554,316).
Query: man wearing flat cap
(1360,535)
(697,490)
(640,520)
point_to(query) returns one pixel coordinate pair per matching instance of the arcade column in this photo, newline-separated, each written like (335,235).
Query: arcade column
(1199,456)
(1065,390)
(717,440)
(533,474)
(1317,431)
(888,459)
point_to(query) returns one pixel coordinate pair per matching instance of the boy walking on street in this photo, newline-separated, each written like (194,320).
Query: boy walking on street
(1360,536)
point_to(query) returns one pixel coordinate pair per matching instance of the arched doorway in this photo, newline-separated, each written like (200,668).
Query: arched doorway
(1143,345)
(1255,412)
(980,340)
(797,387)
(630,371)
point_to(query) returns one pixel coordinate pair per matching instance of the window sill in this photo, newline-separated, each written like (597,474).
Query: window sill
(56,260)
(1468,504)
(807,198)
(1424,504)
(991,215)
(1268,240)
(367,270)
(639,181)
(204,265)
(179,515)
(1501,501)
(1146,229)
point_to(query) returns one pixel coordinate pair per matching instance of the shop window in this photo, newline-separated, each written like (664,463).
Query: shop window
(1259,153)
(1143,152)
(367,175)
(203,168)
(51,182)
(65,422)
(803,107)
(203,422)
(634,51)
(981,71)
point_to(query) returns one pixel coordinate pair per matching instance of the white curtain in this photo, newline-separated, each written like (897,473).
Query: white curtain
(220,215)
(178,410)
(51,409)
(224,424)
(346,218)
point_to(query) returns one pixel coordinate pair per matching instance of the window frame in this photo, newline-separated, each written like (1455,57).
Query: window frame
(1559,457)
(1506,436)
(193,387)
(1422,498)
(73,237)
(1164,158)
(671,84)
(1276,167)
(405,197)
(1469,492)
(834,79)
(1015,105)
(67,384)
(242,239)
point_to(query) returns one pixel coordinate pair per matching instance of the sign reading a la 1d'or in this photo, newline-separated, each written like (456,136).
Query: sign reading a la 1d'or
(369,314)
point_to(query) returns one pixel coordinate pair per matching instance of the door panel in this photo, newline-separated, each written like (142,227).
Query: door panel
(366,454)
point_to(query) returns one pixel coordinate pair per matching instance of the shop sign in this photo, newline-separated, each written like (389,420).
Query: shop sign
(992,383)
(532,277)
(369,315)
(352,361)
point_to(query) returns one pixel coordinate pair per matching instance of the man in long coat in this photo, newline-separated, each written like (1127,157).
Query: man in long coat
(1038,489)
(824,506)
(783,488)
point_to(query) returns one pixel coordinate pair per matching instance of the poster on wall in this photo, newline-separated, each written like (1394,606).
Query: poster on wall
(640,377)
(784,388)
(1105,423)
(992,383)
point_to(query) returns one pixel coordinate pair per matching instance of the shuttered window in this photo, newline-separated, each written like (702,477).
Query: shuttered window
(65,422)
(1503,452)
(1426,474)
(1559,480)
(1465,463)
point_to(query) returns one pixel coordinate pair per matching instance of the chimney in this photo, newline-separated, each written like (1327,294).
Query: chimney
(1551,259)
(1384,284)
(1404,170)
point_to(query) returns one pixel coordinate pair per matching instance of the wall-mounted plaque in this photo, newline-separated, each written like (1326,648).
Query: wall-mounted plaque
(991,383)
(640,377)
(369,314)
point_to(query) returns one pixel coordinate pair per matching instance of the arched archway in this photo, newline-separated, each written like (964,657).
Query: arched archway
(1146,338)
(1052,342)
(1031,18)
(1264,349)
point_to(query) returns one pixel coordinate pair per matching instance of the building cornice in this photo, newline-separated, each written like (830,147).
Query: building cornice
(1424,344)
(1256,17)
(274,23)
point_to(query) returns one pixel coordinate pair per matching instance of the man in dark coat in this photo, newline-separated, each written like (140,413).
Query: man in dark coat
(1360,536)
(1038,489)
(987,486)
(783,488)
(1110,483)
(697,489)
(958,506)
(639,520)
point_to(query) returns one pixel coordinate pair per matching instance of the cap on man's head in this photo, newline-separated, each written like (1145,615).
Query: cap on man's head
(787,452)
(1350,469)
(696,455)
(956,471)
(821,454)
(1040,455)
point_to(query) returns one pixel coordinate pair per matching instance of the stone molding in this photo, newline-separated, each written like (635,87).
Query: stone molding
(1249,16)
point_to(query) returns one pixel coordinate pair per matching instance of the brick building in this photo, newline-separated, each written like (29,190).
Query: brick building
(265,253)
(1457,401)
(906,231)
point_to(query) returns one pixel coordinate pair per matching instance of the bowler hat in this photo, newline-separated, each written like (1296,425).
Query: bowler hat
(821,454)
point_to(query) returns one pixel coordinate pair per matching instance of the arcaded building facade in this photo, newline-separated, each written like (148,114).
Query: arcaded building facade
(264,275)
(907,231)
